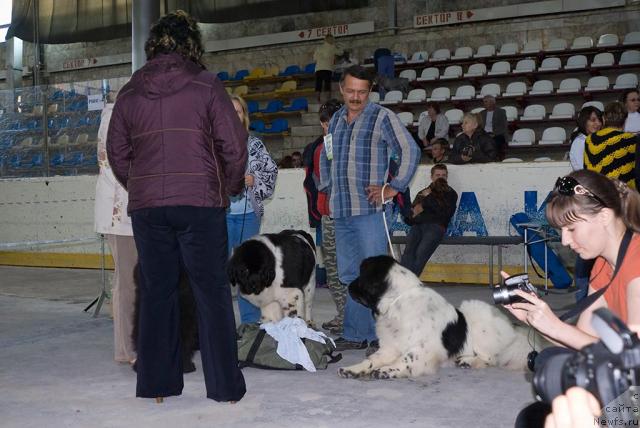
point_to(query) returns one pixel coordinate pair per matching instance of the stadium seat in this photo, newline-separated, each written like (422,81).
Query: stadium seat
(550,64)
(476,70)
(541,87)
(223,75)
(81,138)
(632,38)
(608,40)
(556,45)
(512,160)
(543,159)
(570,85)
(408,74)
(563,111)
(57,159)
(533,112)
(52,108)
(508,49)
(576,62)
(626,81)
(277,126)
(512,113)
(454,116)
(240,74)
(256,73)
(597,83)
(392,97)
(429,73)
(37,110)
(297,104)
(604,59)
(476,110)
(463,52)
(532,47)
(485,51)
(290,70)
(441,55)
(287,86)
(241,90)
(515,89)
(253,107)
(523,137)
(272,71)
(582,42)
(310,68)
(406,117)
(553,135)
(416,96)
(525,66)
(493,89)
(440,94)
(629,57)
(420,56)
(374,97)
(257,125)
(452,72)
(273,106)
(500,68)
(597,104)
(62,139)
(464,92)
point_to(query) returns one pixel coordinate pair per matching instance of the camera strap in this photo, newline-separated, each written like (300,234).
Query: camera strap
(588,301)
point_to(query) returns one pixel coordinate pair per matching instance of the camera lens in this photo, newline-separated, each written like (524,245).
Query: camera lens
(547,380)
(501,296)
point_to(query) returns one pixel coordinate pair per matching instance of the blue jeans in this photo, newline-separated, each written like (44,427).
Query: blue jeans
(422,242)
(238,233)
(357,238)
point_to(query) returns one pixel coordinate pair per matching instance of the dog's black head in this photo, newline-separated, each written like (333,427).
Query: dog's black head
(252,267)
(373,282)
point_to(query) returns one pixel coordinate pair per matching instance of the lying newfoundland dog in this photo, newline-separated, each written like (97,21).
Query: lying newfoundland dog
(276,272)
(419,330)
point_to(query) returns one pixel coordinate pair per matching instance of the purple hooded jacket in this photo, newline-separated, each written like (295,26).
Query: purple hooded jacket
(175,138)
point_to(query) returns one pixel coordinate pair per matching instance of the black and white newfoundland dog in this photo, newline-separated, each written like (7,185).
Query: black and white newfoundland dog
(419,330)
(276,272)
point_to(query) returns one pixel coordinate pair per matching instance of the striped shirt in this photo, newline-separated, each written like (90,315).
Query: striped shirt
(612,152)
(361,153)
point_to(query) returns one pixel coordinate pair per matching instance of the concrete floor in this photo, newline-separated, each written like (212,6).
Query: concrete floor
(57,370)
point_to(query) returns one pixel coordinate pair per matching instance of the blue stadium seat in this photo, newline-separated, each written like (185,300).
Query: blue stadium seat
(253,106)
(273,106)
(36,160)
(257,125)
(310,68)
(277,126)
(15,160)
(75,159)
(57,159)
(298,104)
(240,74)
(223,75)
(291,70)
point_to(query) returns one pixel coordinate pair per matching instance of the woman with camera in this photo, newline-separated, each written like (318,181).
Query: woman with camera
(599,218)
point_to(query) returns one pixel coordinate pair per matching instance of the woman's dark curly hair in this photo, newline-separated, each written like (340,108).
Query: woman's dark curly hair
(175,32)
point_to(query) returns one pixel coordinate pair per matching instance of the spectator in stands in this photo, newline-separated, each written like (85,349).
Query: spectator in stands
(320,216)
(353,171)
(631,100)
(325,58)
(495,124)
(385,69)
(112,221)
(432,210)
(343,62)
(296,159)
(439,149)
(432,125)
(473,144)
(246,209)
(286,162)
(176,144)
(589,121)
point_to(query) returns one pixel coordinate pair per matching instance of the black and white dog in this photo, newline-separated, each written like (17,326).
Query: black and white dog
(276,272)
(419,330)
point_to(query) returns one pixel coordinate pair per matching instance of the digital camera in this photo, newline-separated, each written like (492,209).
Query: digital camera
(504,295)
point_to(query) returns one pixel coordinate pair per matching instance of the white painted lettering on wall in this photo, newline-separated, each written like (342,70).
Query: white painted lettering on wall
(443,18)
(78,63)
(317,33)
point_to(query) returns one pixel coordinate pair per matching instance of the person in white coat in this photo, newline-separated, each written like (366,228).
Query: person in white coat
(432,125)
(112,221)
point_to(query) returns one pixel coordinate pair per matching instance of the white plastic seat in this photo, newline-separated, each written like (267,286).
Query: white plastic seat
(543,159)
(556,45)
(464,92)
(604,59)
(452,72)
(607,40)
(476,70)
(406,117)
(440,94)
(441,55)
(508,49)
(492,89)
(515,89)
(534,112)
(374,97)
(629,57)
(420,56)
(596,104)
(454,116)
(541,87)
(550,64)
(568,86)
(523,137)
(416,96)
(408,74)
(429,73)
(392,97)
(632,38)
(512,160)
(597,83)
(626,81)
(553,135)
(512,113)
(525,66)
(576,62)
(563,111)
(477,110)
(532,47)
(485,51)
(582,42)
(500,68)
(463,52)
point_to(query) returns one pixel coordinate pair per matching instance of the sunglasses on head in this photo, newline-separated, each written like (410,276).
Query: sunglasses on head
(569,186)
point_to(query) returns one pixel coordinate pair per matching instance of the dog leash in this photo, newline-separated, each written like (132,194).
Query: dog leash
(384,218)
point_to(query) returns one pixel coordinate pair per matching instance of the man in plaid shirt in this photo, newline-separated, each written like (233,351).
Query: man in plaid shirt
(353,169)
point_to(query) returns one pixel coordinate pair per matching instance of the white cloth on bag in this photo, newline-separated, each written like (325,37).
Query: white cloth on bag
(288,332)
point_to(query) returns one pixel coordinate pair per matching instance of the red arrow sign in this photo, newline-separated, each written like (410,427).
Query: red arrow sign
(469,14)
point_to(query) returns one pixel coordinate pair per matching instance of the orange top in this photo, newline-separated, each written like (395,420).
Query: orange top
(616,294)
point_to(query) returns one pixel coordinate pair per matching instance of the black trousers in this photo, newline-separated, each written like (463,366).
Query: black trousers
(197,236)
(323,80)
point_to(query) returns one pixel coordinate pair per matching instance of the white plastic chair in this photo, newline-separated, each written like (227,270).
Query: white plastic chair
(563,111)
(533,112)
(408,74)
(440,94)
(416,96)
(626,81)
(541,87)
(557,45)
(523,137)
(485,51)
(525,66)
(452,72)
(508,49)
(454,116)
(490,89)
(582,42)
(429,73)
(476,70)
(515,89)
(596,104)
(607,40)
(629,57)
(553,135)
(532,47)
(512,160)
(441,55)
(420,56)
(543,159)
(392,97)
(477,110)
(500,68)
(576,62)
(550,64)
(464,92)
(632,38)
(406,117)
(597,83)
(512,113)
(463,52)
(570,85)
(374,97)
(604,59)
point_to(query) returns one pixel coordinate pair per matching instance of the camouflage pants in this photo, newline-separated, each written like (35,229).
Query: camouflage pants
(338,291)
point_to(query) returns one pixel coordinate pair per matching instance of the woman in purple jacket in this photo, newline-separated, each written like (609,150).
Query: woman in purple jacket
(176,144)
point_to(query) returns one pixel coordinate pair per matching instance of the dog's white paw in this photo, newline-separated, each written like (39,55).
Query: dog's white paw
(347,373)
